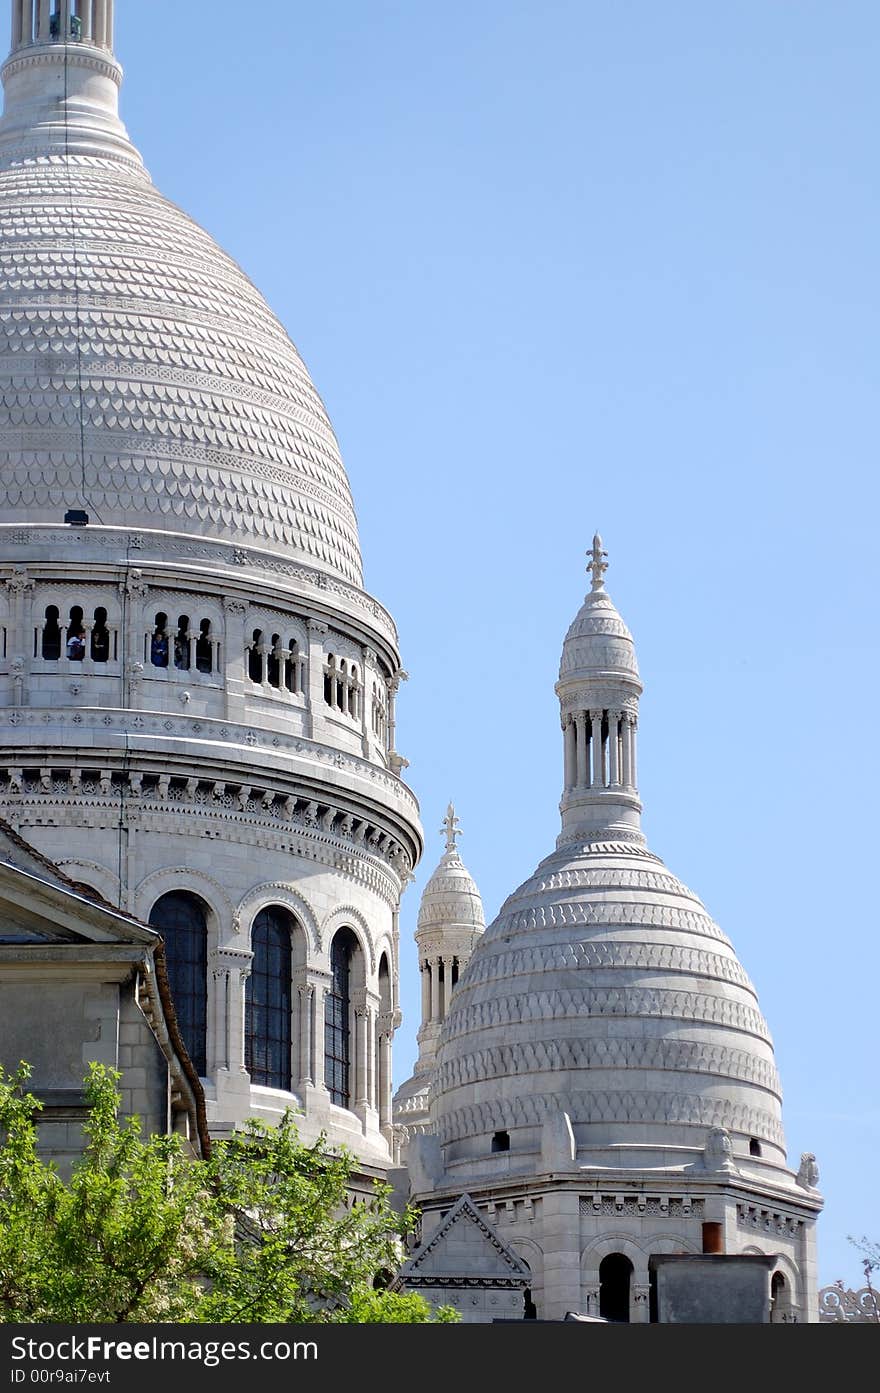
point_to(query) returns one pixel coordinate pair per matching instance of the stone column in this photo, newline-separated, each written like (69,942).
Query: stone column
(233,964)
(613,737)
(319,1002)
(368,668)
(384,1074)
(218,1035)
(583,773)
(16,24)
(316,706)
(234,620)
(435,989)
(570,749)
(43,20)
(361,1016)
(100,23)
(305,991)
(85,11)
(598,779)
(626,732)
(633,727)
(426,992)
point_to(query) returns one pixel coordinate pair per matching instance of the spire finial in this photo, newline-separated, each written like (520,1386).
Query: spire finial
(597,564)
(451,828)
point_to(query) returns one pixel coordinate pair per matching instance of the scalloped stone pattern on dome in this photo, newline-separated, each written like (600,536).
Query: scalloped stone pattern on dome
(598,641)
(605,989)
(198,415)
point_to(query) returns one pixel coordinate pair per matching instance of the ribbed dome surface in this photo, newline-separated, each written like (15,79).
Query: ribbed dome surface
(451,898)
(146,378)
(604,988)
(598,642)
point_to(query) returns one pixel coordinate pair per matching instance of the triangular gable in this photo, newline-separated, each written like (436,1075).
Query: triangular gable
(465,1246)
(36,911)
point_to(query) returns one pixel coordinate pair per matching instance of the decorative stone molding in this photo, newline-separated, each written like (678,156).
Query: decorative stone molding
(664,1206)
(754,1217)
(280,893)
(349,917)
(839,1303)
(601,954)
(605,913)
(619,1106)
(530,1057)
(618,1001)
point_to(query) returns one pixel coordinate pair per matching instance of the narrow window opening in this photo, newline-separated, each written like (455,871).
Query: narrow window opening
(615,1276)
(255,657)
(755,1147)
(337,1020)
(268,1000)
(501,1141)
(290,664)
(273,663)
(100,647)
(182,644)
(159,642)
(181,918)
(51,635)
(76,635)
(203,647)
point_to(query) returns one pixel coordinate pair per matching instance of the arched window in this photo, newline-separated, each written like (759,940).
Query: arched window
(76,635)
(615,1276)
(268,1000)
(255,657)
(182,644)
(100,637)
(204,657)
(291,665)
(181,919)
(754,1147)
(51,647)
(337,1020)
(273,662)
(780,1300)
(159,642)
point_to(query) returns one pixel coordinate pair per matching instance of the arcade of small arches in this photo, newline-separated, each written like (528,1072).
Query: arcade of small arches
(621,1285)
(291,1022)
(70,633)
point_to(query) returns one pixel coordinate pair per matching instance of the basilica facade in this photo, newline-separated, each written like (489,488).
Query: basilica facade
(197,719)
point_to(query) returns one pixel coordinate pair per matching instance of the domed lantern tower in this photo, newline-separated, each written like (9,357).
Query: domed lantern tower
(197,694)
(605,1081)
(450,923)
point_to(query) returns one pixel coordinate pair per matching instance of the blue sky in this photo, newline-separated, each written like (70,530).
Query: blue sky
(564,266)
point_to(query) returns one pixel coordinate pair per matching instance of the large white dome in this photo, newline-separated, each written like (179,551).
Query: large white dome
(145,379)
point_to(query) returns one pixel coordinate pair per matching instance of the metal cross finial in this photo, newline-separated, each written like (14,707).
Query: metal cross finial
(597,565)
(451,828)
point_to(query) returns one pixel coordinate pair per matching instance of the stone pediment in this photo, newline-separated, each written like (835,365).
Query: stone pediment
(464,1249)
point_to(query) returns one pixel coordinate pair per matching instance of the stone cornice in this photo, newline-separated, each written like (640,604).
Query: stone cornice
(53,55)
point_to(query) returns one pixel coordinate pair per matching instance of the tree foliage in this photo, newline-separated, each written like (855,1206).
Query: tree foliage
(264,1230)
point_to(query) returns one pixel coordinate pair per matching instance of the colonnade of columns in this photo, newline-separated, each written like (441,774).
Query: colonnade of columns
(439,976)
(48,21)
(372,1029)
(600,749)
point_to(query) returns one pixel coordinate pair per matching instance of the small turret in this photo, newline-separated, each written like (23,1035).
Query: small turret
(450,923)
(599,689)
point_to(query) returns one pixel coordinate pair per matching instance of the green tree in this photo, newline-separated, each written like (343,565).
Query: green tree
(263,1230)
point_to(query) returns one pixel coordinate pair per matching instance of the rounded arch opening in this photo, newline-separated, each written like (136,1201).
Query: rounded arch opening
(277,944)
(346,973)
(615,1280)
(182,920)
